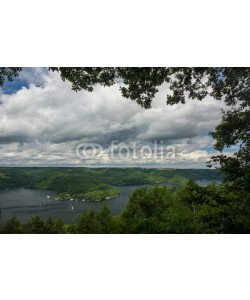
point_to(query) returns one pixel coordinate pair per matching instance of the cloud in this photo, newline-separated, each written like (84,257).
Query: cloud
(25,78)
(42,124)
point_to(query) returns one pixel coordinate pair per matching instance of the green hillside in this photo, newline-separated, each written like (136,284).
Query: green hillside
(95,183)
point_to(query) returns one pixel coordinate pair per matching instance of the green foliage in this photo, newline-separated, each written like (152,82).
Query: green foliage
(13,225)
(84,180)
(177,179)
(35,225)
(88,222)
(8,73)
(105,220)
(141,84)
(189,209)
(234,130)
(145,212)
(96,222)
(15,177)
(58,227)
(51,226)
(101,192)
(225,210)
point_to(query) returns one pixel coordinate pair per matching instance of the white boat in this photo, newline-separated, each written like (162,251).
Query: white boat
(48,196)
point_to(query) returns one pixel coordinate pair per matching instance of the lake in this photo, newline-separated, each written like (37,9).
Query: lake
(25,203)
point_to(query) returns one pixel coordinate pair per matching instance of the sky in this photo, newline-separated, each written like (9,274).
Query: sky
(44,123)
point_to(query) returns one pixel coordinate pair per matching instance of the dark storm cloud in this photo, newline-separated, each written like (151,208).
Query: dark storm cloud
(16,138)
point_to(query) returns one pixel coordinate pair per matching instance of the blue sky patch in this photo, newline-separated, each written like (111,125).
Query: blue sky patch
(11,87)
(25,78)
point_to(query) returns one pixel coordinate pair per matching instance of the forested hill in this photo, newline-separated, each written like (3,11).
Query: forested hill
(88,179)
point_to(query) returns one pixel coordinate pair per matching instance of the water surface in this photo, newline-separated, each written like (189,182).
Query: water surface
(25,203)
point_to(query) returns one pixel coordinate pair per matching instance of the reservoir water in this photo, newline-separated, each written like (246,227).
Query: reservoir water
(25,203)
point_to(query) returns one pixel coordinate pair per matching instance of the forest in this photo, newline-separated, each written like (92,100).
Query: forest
(95,184)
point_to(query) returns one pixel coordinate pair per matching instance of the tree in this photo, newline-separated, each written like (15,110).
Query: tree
(146,210)
(234,130)
(35,225)
(105,220)
(9,74)
(59,226)
(13,225)
(224,210)
(52,226)
(49,225)
(88,222)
